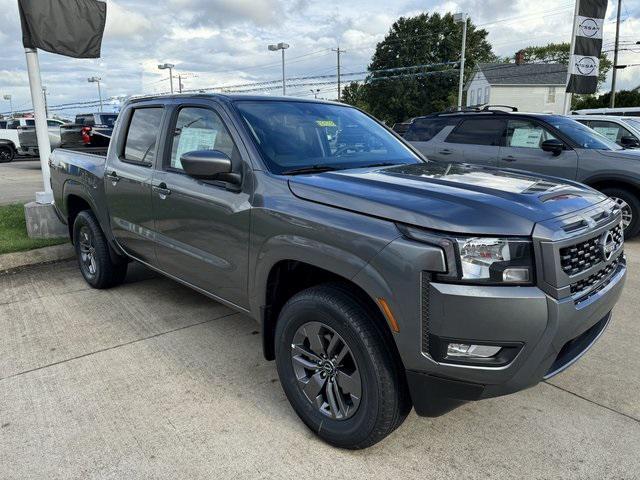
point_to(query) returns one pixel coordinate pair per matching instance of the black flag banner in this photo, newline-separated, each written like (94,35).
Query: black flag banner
(584,63)
(67,27)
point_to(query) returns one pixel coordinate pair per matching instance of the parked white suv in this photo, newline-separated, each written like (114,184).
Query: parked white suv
(625,131)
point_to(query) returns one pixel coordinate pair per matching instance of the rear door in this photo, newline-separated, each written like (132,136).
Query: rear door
(476,140)
(203,226)
(128,178)
(522,150)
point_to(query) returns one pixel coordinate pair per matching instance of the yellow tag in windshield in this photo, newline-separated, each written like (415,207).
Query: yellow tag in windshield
(326,123)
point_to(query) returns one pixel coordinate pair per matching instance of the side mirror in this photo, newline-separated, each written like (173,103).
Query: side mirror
(554,146)
(630,142)
(209,165)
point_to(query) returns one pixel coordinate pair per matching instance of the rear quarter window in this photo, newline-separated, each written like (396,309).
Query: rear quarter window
(478,131)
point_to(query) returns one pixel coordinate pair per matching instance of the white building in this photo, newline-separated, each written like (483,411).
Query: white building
(531,87)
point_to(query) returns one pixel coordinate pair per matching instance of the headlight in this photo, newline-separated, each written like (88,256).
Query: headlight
(495,260)
(480,260)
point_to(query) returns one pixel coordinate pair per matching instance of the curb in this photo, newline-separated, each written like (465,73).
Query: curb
(10,262)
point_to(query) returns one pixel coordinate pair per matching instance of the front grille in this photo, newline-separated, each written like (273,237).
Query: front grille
(582,256)
(596,280)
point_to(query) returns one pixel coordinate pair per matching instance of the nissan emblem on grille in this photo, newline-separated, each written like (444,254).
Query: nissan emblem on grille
(608,245)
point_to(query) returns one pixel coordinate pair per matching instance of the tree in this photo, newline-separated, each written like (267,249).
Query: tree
(559,53)
(355,94)
(421,40)
(624,98)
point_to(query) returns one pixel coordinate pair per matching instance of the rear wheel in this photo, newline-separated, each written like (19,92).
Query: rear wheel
(629,204)
(6,154)
(95,262)
(337,370)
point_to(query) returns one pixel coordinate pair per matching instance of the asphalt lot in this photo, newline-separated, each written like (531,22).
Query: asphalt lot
(20,180)
(152,380)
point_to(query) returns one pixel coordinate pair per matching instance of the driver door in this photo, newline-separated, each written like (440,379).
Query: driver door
(522,150)
(202,227)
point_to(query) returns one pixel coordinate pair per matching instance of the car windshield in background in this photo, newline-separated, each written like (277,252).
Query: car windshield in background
(583,135)
(108,120)
(298,136)
(632,122)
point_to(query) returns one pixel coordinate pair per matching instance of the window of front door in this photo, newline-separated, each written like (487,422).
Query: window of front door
(612,131)
(199,129)
(526,134)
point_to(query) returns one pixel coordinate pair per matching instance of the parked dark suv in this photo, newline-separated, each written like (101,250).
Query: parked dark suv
(549,144)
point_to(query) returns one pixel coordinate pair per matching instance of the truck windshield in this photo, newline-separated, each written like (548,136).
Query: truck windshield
(633,122)
(298,136)
(583,135)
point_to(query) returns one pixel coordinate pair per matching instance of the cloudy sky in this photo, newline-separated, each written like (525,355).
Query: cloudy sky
(224,42)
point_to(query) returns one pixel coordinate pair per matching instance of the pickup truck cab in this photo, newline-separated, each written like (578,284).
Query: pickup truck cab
(380,280)
(90,131)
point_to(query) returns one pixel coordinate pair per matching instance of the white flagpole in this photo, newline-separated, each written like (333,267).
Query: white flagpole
(568,97)
(42,132)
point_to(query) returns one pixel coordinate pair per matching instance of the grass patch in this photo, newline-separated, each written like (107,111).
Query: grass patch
(13,231)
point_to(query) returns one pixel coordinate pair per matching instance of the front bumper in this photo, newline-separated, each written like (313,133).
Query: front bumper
(553,334)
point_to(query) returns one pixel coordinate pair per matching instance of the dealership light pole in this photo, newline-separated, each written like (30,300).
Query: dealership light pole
(97,80)
(274,48)
(461,18)
(8,98)
(168,66)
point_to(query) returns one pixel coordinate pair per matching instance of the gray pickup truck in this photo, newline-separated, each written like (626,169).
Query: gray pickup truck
(381,280)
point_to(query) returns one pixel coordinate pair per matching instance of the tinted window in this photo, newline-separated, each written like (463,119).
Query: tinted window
(478,131)
(13,124)
(200,129)
(107,119)
(30,123)
(3,124)
(293,135)
(526,134)
(85,120)
(424,129)
(52,123)
(142,135)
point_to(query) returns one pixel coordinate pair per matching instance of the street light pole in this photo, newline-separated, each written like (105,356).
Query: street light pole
(8,97)
(168,66)
(612,103)
(97,80)
(462,18)
(274,48)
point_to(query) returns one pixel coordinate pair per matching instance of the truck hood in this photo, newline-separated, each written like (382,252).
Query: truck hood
(455,198)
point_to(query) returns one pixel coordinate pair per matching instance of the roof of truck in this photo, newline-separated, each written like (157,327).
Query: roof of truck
(232,98)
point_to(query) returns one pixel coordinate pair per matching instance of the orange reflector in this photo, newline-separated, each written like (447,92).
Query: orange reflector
(387,312)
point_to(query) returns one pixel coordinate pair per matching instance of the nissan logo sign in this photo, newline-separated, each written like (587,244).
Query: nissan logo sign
(608,246)
(586,65)
(589,27)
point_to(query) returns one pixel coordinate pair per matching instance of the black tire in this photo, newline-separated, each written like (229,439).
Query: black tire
(626,198)
(384,399)
(92,251)
(6,154)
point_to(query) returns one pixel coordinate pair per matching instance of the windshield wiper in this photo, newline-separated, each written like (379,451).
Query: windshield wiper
(310,169)
(382,164)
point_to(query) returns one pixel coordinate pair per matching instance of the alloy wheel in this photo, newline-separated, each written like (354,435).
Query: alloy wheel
(88,251)
(5,155)
(627,213)
(326,370)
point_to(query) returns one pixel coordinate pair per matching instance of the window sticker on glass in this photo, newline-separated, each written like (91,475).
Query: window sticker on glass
(326,123)
(610,132)
(192,140)
(526,137)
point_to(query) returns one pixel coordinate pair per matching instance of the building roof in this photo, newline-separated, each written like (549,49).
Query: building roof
(526,74)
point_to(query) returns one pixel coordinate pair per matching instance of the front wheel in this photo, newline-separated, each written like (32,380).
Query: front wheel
(629,204)
(337,369)
(95,262)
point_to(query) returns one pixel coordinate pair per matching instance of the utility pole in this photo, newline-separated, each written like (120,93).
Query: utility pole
(97,80)
(462,18)
(338,52)
(179,83)
(274,48)
(612,104)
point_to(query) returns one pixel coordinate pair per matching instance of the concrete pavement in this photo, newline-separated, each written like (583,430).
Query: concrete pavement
(20,180)
(152,380)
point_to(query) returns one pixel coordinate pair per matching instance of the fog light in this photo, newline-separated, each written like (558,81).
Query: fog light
(463,350)
(516,275)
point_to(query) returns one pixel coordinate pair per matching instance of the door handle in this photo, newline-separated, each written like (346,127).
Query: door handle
(509,159)
(113,176)
(162,190)
(445,152)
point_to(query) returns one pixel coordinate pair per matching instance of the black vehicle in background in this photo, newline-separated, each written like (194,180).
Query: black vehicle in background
(90,130)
